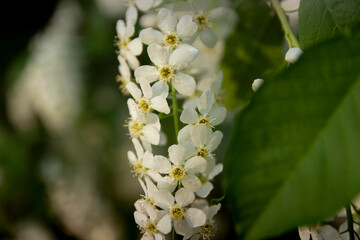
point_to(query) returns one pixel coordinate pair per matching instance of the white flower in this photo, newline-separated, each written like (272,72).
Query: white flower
(145,127)
(257,84)
(184,218)
(293,54)
(167,68)
(180,170)
(206,18)
(154,97)
(128,49)
(153,224)
(125,76)
(172,32)
(211,172)
(210,115)
(324,232)
(143,5)
(207,230)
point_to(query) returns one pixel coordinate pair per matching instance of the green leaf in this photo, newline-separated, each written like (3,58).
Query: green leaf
(294,155)
(253,49)
(322,19)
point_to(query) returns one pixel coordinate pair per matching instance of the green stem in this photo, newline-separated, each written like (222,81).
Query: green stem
(175,111)
(289,34)
(350,222)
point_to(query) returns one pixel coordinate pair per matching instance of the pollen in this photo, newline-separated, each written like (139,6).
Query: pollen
(177,173)
(171,40)
(122,87)
(177,212)
(201,20)
(138,169)
(207,231)
(151,227)
(144,105)
(165,73)
(136,129)
(203,152)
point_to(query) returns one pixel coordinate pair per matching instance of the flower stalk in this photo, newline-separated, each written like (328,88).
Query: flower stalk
(289,33)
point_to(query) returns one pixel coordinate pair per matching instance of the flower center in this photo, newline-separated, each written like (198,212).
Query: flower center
(151,227)
(205,120)
(201,20)
(177,173)
(138,169)
(136,129)
(165,73)
(206,231)
(177,212)
(203,152)
(144,106)
(171,40)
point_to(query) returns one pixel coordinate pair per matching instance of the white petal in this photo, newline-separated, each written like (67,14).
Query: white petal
(132,108)
(216,171)
(186,27)
(120,28)
(191,182)
(160,104)
(134,91)
(220,14)
(190,148)
(153,120)
(190,48)
(183,228)
(131,157)
(166,20)
(214,140)
(140,218)
(147,72)
(157,54)
(208,37)
(159,236)
(145,87)
(135,46)
(138,148)
(184,84)
(150,36)
(160,89)
(218,114)
(189,115)
(201,4)
(184,134)
(205,190)
(213,210)
(131,15)
(144,5)
(180,58)
(151,134)
(205,102)
(199,135)
(195,164)
(164,225)
(329,232)
(177,153)
(160,164)
(130,30)
(304,233)
(148,159)
(132,60)
(164,199)
(195,217)
(184,197)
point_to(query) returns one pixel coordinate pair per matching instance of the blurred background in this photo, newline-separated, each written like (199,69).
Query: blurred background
(64,173)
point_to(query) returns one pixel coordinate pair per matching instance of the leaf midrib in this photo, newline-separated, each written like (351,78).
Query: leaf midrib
(306,153)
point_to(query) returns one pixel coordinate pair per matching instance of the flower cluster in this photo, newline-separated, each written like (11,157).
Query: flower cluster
(176,185)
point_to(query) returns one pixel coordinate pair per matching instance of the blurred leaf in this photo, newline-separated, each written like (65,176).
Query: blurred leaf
(322,19)
(255,47)
(294,155)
